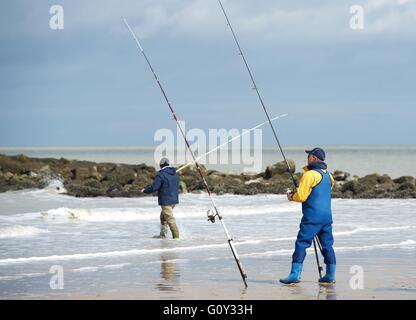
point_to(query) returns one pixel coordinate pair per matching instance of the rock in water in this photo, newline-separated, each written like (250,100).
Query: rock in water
(405,179)
(279,169)
(91,179)
(340,175)
(121,174)
(84,173)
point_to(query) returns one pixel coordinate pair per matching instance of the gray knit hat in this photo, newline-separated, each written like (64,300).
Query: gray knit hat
(164,162)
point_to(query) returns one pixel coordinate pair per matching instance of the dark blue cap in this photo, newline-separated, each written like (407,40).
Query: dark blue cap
(317,152)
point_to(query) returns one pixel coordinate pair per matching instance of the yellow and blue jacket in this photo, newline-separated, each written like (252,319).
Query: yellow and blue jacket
(314,193)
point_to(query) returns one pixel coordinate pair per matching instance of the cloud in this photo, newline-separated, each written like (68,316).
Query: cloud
(202,20)
(303,54)
(276,21)
(390,17)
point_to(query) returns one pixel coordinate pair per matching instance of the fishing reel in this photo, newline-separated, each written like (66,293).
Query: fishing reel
(211,215)
(290,193)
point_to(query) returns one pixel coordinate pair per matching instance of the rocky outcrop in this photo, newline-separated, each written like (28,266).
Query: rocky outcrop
(340,175)
(279,169)
(90,179)
(80,178)
(375,186)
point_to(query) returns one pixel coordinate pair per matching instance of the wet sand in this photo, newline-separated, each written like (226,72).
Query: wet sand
(387,275)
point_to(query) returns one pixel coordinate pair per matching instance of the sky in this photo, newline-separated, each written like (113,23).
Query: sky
(87,84)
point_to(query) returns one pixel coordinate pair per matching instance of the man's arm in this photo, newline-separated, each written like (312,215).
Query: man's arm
(307,182)
(155,186)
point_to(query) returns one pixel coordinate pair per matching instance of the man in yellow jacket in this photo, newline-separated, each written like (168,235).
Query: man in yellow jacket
(314,193)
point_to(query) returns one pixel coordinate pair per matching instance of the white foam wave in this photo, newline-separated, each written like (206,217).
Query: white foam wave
(281,252)
(259,241)
(21,276)
(123,253)
(18,231)
(85,269)
(377,229)
(96,268)
(408,244)
(99,215)
(258,210)
(339,233)
(64,214)
(55,186)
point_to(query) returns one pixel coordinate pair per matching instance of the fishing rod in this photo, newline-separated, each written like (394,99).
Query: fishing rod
(230,140)
(240,52)
(316,255)
(212,215)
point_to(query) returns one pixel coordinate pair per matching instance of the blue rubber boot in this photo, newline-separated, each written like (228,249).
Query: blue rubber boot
(294,276)
(330,274)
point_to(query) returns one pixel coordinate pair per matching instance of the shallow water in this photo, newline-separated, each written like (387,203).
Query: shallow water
(105,244)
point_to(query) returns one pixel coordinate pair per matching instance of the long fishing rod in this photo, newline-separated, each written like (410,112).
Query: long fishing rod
(217,212)
(267,115)
(227,142)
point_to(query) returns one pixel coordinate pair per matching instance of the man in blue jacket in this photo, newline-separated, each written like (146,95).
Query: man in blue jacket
(166,184)
(314,193)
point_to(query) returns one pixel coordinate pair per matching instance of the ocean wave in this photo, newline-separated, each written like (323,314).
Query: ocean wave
(64,214)
(407,244)
(55,186)
(21,276)
(86,269)
(374,229)
(98,215)
(101,267)
(336,234)
(122,253)
(18,231)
